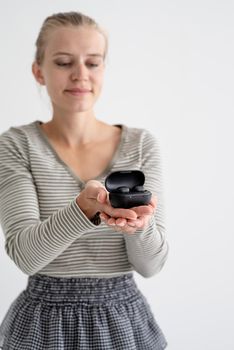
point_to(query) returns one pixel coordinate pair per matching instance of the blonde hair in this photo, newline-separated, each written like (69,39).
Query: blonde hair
(60,20)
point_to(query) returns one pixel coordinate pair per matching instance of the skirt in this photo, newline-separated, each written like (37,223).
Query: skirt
(82,313)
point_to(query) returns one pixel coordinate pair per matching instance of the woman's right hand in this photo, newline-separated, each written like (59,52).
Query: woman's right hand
(94,198)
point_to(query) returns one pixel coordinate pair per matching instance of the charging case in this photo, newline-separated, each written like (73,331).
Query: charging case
(129,179)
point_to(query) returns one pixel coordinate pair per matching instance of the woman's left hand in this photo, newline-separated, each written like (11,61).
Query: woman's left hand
(144,213)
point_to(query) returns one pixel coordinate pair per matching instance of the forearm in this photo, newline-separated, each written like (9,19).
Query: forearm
(147,249)
(34,245)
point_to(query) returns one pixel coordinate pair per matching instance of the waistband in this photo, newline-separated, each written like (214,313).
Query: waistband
(85,289)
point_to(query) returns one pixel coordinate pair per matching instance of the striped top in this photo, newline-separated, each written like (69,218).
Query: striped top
(45,230)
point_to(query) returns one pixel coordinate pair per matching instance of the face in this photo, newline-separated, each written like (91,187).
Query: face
(73,68)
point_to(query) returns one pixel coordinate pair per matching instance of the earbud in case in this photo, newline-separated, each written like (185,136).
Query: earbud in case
(126,189)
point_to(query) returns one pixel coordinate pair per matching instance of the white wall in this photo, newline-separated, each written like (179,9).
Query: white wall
(170,69)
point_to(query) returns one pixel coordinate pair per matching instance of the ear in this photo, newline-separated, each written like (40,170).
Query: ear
(37,72)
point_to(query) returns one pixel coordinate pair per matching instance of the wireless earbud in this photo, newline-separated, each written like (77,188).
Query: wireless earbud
(138,189)
(123,189)
(126,189)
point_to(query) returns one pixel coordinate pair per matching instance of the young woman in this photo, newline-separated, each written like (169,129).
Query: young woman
(60,228)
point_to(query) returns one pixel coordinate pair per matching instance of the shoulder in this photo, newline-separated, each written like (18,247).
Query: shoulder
(17,133)
(14,141)
(141,136)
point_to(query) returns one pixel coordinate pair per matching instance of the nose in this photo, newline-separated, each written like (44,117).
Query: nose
(80,72)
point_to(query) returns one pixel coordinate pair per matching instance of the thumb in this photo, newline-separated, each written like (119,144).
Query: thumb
(93,188)
(102,195)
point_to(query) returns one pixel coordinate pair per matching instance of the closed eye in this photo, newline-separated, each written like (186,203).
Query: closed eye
(63,64)
(92,65)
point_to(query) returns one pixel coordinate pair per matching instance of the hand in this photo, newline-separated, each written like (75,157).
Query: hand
(94,198)
(130,226)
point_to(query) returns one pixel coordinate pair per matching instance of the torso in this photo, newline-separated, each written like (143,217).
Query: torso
(90,161)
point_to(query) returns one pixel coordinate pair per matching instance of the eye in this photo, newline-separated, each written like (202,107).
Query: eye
(92,65)
(63,64)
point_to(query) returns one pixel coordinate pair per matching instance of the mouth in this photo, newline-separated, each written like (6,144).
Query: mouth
(78,91)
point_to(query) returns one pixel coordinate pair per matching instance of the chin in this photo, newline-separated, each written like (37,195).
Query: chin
(79,106)
(79,109)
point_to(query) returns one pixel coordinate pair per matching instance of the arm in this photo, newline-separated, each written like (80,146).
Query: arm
(30,242)
(145,241)
(147,248)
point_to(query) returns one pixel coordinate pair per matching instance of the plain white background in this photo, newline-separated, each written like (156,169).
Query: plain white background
(169,69)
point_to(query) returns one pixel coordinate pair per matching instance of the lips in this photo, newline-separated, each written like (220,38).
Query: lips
(78,90)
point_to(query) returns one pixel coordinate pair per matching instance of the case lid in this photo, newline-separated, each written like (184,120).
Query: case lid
(128,178)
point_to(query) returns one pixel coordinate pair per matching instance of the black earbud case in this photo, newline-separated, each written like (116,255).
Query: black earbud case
(126,189)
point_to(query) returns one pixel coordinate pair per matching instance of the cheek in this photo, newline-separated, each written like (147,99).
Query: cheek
(54,84)
(99,79)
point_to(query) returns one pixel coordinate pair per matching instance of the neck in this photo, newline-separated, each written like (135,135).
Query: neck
(72,131)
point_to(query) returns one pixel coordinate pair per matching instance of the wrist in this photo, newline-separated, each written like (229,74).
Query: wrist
(85,205)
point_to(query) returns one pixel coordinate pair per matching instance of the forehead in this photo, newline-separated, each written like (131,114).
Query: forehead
(75,40)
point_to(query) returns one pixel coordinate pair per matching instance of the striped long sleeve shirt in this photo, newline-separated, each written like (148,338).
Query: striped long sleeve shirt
(45,230)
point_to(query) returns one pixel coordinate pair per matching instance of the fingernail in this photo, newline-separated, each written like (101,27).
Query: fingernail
(121,224)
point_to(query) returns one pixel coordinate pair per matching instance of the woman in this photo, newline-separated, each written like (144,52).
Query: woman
(60,229)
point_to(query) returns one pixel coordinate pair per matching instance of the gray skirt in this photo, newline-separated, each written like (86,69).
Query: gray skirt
(80,313)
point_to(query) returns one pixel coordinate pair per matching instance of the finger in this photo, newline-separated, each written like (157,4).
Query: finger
(121,222)
(143,210)
(111,222)
(102,195)
(104,216)
(118,212)
(153,201)
(133,223)
(143,221)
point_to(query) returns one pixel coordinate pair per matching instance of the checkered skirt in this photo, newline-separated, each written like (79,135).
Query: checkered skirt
(80,313)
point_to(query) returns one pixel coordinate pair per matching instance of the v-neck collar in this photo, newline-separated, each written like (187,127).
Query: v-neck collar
(118,150)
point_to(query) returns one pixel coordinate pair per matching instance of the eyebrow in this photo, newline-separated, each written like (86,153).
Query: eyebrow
(69,54)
